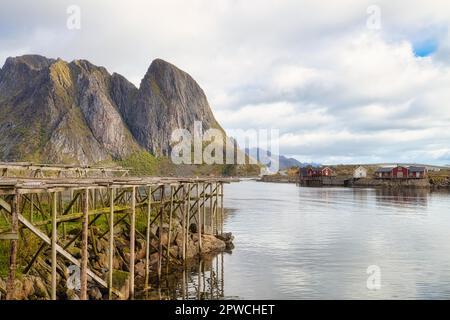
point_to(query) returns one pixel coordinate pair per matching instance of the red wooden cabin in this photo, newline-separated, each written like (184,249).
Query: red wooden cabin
(327,172)
(400,172)
(417,172)
(320,172)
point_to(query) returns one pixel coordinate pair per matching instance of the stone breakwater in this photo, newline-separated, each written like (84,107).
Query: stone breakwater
(36,284)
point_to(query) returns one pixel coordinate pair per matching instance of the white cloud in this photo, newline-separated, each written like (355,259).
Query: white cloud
(337,90)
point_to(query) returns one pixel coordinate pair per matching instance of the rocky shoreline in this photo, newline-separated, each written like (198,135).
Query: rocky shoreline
(387,183)
(36,284)
(430,183)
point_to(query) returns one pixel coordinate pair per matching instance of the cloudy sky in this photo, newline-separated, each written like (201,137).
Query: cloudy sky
(344,81)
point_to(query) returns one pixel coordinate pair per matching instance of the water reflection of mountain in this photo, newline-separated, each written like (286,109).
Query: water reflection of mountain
(403,197)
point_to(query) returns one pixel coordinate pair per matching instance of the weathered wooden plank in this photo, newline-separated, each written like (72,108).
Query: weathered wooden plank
(84,245)
(54,240)
(132,240)
(13,247)
(9,236)
(60,250)
(199,218)
(170,224)
(147,237)
(111,242)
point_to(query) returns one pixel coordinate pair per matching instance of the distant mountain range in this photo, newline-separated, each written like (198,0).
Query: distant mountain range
(270,160)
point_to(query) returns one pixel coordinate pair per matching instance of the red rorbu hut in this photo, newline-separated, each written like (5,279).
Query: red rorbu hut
(320,172)
(400,172)
(415,172)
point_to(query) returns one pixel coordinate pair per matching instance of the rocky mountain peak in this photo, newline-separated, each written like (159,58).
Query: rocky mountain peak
(168,99)
(31,61)
(172,83)
(55,111)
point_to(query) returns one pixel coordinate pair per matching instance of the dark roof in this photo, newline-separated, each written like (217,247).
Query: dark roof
(417,169)
(384,169)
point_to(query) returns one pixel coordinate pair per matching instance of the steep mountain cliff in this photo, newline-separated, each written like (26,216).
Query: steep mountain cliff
(55,111)
(168,98)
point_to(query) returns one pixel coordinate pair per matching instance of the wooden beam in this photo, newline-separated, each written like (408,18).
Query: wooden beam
(222,210)
(188,214)
(183,226)
(147,237)
(204,208)
(160,247)
(9,236)
(132,240)
(170,225)
(199,218)
(211,209)
(84,245)
(61,251)
(111,242)
(54,240)
(14,209)
(216,209)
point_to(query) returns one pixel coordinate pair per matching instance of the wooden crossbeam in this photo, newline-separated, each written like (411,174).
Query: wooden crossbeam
(119,200)
(58,248)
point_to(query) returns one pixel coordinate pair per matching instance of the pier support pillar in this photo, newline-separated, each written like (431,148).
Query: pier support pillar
(147,237)
(132,240)
(211,207)
(13,247)
(199,218)
(54,240)
(111,242)
(84,244)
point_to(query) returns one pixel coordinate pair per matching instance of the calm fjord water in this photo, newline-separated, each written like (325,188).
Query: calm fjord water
(317,243)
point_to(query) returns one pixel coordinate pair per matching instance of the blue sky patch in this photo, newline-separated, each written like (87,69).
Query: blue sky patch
(425,48)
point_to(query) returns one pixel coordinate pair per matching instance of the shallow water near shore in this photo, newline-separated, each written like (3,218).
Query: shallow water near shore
(317,243)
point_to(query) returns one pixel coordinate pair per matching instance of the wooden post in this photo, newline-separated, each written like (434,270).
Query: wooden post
(61,210)
(13,247)
(94,196)
(199,217)
(31,207)
(211,208)
(132,240)
(71,198)
(204,207)
(147,240)
(84,245)
(161,217)
(170,225)
(111,242)
(54,239)
(183,225)
(216,209)
(222,209)
(188,214)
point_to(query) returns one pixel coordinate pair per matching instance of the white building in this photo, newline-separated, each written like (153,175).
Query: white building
(360,172)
